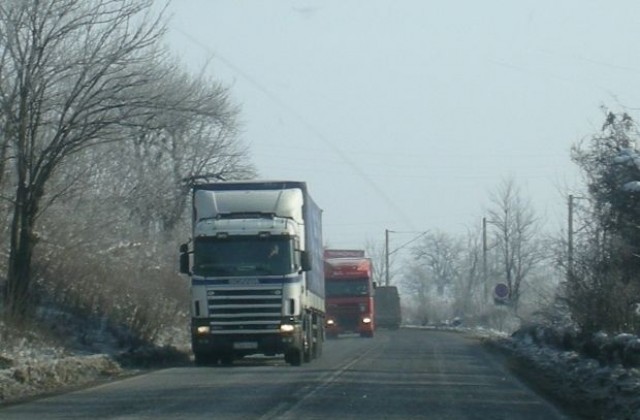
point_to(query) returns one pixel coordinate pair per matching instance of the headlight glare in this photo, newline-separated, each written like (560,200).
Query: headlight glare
(203,329)
(286,328)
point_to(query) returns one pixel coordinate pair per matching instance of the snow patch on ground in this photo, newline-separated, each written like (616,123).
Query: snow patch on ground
(37,376)
(599,386)
(31,365)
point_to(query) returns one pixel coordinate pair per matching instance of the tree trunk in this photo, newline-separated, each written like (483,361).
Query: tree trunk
(17,292)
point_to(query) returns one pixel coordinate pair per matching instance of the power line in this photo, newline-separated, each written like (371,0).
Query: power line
(396,209)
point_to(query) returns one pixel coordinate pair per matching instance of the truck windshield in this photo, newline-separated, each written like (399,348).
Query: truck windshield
(243,256)
(344,288)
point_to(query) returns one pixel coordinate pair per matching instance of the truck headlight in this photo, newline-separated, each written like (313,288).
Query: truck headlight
(330,322)
(366,320)
(286,328)
(203,329)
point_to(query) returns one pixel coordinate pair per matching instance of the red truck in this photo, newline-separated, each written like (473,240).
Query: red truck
(349,291)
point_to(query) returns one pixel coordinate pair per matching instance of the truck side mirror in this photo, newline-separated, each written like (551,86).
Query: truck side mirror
(184,259)
(305,261)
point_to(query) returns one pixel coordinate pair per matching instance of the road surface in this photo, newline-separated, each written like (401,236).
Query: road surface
(402,374)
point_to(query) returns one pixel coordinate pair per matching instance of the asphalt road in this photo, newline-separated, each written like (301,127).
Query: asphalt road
(403,374)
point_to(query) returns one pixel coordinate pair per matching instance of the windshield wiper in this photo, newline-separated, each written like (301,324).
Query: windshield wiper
(211,269)
(263,269)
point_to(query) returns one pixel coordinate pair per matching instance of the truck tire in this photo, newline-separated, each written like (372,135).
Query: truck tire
(204,359)
(317,347)
(226,358)
(293,357)
(307,343)
(307,350)
(318,337)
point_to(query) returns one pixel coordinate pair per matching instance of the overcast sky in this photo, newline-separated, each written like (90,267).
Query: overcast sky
(406,114)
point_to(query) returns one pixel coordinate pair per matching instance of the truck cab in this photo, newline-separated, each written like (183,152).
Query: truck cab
(255,287)
(349,296)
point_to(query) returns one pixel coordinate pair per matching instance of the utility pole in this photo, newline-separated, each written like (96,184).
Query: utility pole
(386,257)
(570,237)
(484,258)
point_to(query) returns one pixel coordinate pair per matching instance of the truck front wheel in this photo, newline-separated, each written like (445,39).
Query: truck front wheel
(293,356)
(307,345)
(227,358)
(204,359)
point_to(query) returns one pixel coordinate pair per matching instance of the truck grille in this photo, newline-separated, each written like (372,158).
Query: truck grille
(245,310)
(346,314)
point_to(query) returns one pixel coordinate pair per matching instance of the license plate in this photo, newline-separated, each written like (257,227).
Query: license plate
(245,345)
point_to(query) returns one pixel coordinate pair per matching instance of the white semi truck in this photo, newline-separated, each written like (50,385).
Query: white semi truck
(256,268)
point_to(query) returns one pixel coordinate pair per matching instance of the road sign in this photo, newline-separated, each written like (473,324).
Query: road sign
(501,293)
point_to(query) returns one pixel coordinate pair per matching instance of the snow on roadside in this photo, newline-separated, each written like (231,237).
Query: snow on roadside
(36,376)
(31,366)
(596,378)
(598,387)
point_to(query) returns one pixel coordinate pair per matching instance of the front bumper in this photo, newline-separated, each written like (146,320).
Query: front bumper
(360,325)
(271,343)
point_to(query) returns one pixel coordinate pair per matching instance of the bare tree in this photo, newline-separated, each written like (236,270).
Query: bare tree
(439,254)
(376,252)
(72,74)
(195,136)
(470,294)
(129,200)
(419,292)
(433,275)
(517,227)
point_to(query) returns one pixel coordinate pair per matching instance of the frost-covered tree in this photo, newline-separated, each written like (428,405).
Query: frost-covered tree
(98,124)
(194,136)
(439,254)
(603,283)
(433,274)
(469,292)
(72,73)
(515,234)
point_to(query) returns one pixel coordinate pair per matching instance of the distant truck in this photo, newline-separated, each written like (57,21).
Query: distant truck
(349,293)
(256,267)
(388,313)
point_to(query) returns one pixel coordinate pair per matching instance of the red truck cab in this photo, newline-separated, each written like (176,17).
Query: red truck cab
(349,293)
